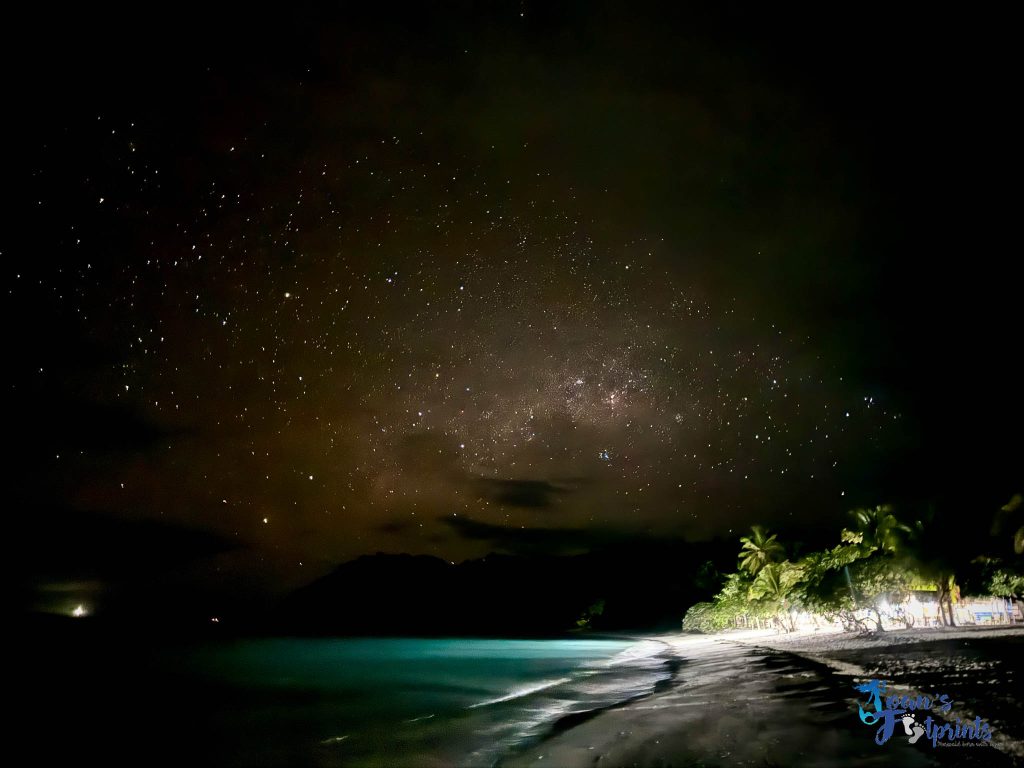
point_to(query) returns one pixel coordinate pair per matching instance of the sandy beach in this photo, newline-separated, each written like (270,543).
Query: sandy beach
(761,699)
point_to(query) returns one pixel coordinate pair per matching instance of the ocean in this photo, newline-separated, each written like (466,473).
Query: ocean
(347,702)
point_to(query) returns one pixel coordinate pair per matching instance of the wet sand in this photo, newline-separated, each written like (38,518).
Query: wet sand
(735,701)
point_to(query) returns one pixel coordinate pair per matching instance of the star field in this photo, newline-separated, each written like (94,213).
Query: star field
(322,287)
(331,376)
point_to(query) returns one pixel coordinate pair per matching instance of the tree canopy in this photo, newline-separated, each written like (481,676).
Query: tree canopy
(879,561)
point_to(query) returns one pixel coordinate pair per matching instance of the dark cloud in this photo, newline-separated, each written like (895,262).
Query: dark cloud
(529,494)
(536,540)
(395,527)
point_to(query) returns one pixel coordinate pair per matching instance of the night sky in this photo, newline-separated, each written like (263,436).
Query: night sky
(287,290)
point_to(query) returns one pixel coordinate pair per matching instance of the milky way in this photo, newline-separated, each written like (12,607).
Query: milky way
(382,353)
(531,284)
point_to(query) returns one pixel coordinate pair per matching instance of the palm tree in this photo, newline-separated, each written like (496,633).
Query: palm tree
(936,557)
(880,530)
(758,550)
(775,582)
(1009,515)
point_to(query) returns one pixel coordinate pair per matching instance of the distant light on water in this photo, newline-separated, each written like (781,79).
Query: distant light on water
(80,611)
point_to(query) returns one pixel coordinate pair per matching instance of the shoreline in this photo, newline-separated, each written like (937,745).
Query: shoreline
(760,698)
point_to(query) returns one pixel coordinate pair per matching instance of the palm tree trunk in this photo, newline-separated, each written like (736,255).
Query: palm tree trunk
(951,585)
(945,601)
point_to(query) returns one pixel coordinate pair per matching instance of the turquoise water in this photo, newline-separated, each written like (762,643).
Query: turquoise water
(401,701)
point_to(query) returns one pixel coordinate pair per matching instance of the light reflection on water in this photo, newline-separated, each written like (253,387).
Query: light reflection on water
(371,701)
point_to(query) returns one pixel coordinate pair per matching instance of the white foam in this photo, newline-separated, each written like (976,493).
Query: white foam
(417,719)
(642,650)
(517,693)
(335,739)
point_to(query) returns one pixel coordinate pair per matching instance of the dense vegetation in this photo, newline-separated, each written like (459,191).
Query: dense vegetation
(879,560)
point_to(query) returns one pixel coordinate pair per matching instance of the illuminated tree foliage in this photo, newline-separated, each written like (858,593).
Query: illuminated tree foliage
(758,550)
(867,577)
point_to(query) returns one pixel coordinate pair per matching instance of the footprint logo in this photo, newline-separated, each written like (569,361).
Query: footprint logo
(912,728)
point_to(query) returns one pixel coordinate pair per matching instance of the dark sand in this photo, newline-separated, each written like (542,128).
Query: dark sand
(735,704)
